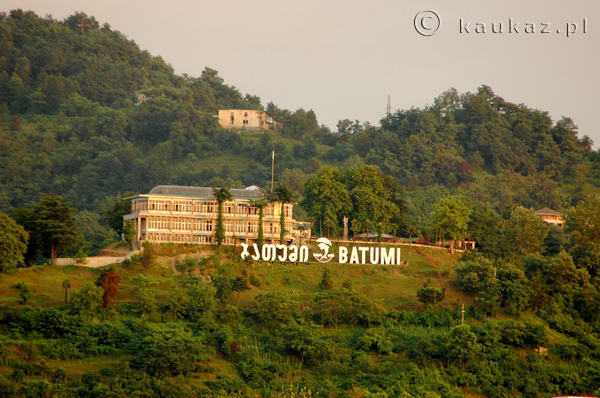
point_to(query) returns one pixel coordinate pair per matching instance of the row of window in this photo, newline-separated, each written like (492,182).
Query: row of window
(196,225)
(203,207)
(178,238)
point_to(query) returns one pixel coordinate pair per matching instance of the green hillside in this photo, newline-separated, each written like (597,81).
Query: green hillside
(88,117)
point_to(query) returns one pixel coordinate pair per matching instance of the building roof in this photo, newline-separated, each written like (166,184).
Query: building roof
(203,192)
(373,235)
(549,211)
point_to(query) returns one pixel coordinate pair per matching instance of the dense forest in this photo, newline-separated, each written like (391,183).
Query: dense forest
(86,117)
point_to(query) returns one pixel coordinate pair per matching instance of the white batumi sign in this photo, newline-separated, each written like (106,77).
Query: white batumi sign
(354,255)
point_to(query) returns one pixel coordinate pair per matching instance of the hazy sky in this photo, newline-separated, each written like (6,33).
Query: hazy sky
(343,58)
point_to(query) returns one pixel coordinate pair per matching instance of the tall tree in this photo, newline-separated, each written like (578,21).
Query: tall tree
(109,282)
(54,226)
(221,195)
(583,222)
(13,243)
(115,214)
(523,233)
(453,216)
(372,195)
(326,197)
(283,195)
(260,204)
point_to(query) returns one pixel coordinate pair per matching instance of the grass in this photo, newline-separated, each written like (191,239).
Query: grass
(396,285)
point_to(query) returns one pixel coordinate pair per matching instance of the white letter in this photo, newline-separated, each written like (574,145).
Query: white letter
(256,255)
(293,254)
(374,259)
(269,252)
(245,252)
(343,255)
(364,254)
(389,257)
(283,256)
(574,27)
(397,256)
(480,28)
(303,254)
(354,256)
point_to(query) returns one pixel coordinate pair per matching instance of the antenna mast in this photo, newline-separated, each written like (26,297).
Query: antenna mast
(272,171)
(389,107)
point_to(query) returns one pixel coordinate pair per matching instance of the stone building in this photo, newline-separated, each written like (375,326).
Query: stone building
(189,215)
(246,119)
(551,217)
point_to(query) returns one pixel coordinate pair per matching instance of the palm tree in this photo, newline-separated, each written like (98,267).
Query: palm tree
(221,195)
(260,204)
(284,195)
(66,285)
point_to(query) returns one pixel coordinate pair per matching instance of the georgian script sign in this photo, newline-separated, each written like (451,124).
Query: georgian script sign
(355,255)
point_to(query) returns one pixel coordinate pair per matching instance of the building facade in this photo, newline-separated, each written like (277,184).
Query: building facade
(189,215)
(551,217)
(246,119)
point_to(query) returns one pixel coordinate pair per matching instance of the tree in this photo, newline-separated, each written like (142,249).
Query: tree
(326,282)
(201,300)
(583,222)
(223,284)
(115,214)
(473,274)
(87,300)
(523,233)
(326,197)
(260,204)
(275,309)
(372,195)
(66,284)
(169,352)
(25,292)
(54,226)
(283,195)
(13,243)
(483,229)
(129,232)
(238,285)
(463,343)
(221,195)
(306,341)
(145,297)
(109,282)
(430,295)
(452,216)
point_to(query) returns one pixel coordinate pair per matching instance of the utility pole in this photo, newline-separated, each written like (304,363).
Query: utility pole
(272,171)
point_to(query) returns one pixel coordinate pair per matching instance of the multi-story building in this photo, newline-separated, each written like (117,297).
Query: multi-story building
(246,119)
(189,215)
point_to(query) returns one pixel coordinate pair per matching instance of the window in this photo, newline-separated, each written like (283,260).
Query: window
(245,121)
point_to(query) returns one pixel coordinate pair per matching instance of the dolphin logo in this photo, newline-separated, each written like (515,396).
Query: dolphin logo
(324,244)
